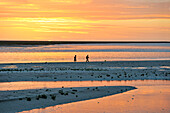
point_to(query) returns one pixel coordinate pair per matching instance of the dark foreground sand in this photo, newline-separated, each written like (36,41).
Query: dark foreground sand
(15,101)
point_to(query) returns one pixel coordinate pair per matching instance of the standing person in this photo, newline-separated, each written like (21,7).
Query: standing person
(75,58)
(87,58)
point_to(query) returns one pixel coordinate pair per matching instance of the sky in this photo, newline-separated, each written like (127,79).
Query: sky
(85,20)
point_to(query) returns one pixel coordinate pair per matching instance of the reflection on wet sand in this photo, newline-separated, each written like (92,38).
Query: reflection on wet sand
(49,84)
(97,52)
(151,96)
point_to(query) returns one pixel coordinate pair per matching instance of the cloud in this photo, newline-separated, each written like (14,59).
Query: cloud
(84,18)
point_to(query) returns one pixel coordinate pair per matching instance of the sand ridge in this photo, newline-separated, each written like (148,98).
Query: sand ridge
(38,98)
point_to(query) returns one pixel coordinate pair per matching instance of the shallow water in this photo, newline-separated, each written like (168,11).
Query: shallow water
(152,96)
(97,52)
(58,84)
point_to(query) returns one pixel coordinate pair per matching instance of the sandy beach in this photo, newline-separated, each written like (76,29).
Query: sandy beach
(15,101)
(82,71)
(21,100)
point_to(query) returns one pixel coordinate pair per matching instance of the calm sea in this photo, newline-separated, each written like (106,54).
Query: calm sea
(96,52)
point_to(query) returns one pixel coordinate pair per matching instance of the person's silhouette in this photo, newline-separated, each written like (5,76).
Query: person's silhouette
(75,58)
(87,58)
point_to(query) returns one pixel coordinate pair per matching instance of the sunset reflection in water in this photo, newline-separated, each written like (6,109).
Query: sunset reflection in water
(151,96)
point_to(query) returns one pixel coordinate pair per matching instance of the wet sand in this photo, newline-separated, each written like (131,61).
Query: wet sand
(82,71)
(15,101)
(152,96)
(20,100)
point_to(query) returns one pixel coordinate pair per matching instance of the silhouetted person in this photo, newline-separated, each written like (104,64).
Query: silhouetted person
(87,58)
(75,58)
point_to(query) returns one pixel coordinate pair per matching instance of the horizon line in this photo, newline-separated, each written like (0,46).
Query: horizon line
(11,43)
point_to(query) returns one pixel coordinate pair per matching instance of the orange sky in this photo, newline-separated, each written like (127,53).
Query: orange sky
(85,20)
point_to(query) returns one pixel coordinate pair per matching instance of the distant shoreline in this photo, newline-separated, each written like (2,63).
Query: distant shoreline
(15,43)
(92,62)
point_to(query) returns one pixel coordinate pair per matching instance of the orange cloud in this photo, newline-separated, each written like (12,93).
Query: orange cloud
(84,20)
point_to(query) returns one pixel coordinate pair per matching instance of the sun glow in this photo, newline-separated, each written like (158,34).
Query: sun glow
(84,20)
